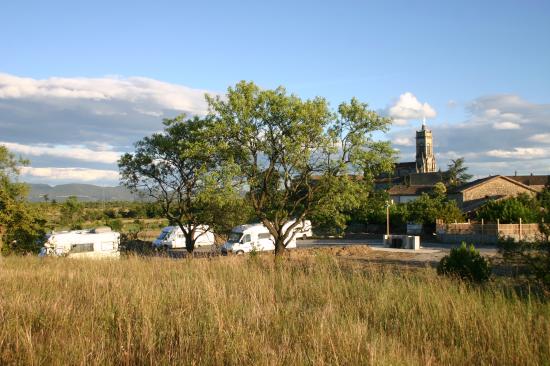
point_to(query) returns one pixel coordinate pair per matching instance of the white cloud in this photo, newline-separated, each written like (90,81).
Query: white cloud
(519,153)
(408,107)
(403,141)
(65,151)
(70,174)
(541,137)
(149,95)
(505,125)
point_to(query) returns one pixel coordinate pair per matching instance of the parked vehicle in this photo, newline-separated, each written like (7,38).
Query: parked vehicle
(171,237)
(100,242)
(246,238)
(304,230)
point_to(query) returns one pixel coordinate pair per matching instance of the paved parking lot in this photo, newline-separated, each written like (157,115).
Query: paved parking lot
(429,251)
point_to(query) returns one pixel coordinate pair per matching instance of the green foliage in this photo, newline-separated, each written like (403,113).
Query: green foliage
(457,174)
(115,224)
(338,198)
(532,257)
(427,208)
(510,210)
(466,263)
(72,213)
(21,228)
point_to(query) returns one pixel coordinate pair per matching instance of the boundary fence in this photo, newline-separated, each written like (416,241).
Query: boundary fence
(487,233)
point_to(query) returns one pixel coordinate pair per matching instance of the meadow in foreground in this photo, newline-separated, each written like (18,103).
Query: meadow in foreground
(251,311)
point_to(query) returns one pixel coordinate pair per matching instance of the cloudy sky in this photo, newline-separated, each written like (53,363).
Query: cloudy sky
(79,83)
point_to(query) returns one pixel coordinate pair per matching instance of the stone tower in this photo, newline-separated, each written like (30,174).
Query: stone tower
(425,159)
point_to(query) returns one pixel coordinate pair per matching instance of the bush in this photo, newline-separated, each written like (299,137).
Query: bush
(116,224)
(532,258)
(465,262)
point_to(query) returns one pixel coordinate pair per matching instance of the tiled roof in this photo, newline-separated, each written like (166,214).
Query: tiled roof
(532,180)
(404,190)
(477,182)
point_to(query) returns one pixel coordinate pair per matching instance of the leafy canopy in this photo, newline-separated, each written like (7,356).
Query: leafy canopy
(296,156)
(20,226)
(180,168)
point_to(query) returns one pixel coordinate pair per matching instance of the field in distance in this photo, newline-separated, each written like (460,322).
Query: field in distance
(310,309)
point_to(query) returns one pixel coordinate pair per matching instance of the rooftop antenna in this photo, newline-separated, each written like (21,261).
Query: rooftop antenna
(423,122)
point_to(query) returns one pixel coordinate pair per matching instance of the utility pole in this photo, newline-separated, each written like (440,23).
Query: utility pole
(388,203)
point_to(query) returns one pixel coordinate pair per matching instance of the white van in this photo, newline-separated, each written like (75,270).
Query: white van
(304,230)
(171,237)
(246,238)
(100,242)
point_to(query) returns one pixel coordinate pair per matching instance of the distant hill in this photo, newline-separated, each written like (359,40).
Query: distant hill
(84,192)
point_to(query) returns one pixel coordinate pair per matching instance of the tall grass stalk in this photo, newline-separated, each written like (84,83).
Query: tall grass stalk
(253,311)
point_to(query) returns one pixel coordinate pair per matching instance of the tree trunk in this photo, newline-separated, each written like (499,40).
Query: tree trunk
(279,246)
(190,242)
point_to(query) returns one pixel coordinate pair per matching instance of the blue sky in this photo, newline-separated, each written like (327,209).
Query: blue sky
(474,68)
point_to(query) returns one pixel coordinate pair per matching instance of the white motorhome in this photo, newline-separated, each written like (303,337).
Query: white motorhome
(100,242)
(246,238)
(171,237)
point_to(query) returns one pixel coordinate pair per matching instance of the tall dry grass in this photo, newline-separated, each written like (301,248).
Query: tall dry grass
(249,311)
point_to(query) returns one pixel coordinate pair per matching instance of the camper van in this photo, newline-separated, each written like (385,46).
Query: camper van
(246,238)
(304,230)
(171,237)
(100,242)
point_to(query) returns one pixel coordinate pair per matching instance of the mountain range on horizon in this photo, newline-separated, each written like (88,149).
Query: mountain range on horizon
(84,192)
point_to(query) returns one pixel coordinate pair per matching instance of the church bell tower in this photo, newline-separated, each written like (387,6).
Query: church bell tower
(425,160)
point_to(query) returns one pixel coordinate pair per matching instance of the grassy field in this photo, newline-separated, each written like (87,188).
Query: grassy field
(308,310)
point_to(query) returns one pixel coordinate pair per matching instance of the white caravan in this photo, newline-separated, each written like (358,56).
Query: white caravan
(246,238)
(171,237)
(100,242)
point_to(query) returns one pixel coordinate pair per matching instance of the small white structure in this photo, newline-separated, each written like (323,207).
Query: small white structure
(246,238)
(304,230)
(402,241)
(171,237)
(100,242)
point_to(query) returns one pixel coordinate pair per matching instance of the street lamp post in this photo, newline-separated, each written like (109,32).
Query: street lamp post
(388,203)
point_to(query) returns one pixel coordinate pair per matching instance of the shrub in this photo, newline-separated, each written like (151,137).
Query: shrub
(533,258)
(465,262)
(116,224)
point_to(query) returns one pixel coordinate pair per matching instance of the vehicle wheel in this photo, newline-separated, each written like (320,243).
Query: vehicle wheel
(240,252)
(304,237)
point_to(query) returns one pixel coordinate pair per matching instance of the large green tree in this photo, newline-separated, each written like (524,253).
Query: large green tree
(296,155)
(180,168)
(20,226)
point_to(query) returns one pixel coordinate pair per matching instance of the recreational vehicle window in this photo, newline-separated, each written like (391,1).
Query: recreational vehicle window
(82,248)
(264,236)
(247,238)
